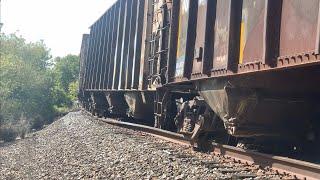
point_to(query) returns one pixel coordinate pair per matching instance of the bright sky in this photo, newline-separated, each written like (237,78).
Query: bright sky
(60,23)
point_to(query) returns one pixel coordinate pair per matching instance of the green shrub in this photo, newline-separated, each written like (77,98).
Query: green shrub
(37,123)
(22,127)
(34,88)
(8,134)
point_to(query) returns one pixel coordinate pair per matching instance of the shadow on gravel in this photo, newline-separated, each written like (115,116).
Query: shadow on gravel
(6,144)
(31,132)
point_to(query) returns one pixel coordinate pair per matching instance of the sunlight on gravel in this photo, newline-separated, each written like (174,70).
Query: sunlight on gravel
(78,147)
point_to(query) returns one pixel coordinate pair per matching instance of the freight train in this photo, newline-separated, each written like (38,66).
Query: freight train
(230,69)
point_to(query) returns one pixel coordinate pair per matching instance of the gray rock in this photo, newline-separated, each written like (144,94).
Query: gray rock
(77,146)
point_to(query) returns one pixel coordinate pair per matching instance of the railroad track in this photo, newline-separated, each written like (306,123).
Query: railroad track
(296,168)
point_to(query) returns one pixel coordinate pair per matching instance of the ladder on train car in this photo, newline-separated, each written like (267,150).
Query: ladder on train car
(157,57)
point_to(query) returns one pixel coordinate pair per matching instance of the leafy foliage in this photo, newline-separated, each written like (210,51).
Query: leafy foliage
(67,70)
(31,86)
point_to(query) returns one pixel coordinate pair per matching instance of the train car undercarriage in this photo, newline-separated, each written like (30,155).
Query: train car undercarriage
(278,108)
(282,110)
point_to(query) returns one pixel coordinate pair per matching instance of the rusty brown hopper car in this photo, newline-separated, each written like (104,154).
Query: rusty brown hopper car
(111,77)
(231,68)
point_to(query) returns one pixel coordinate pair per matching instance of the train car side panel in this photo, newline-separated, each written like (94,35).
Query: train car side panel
(138,45)
(117,55)
(83,60)
(299,26)
(112,46)
(226,38)
(186,38)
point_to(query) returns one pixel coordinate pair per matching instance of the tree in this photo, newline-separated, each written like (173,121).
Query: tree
(24,79)
(67,70)
(31,87)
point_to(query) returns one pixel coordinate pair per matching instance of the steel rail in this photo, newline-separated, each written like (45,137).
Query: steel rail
(299,169)
(160,133)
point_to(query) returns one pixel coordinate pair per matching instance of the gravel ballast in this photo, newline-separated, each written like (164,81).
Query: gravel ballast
(78,146)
